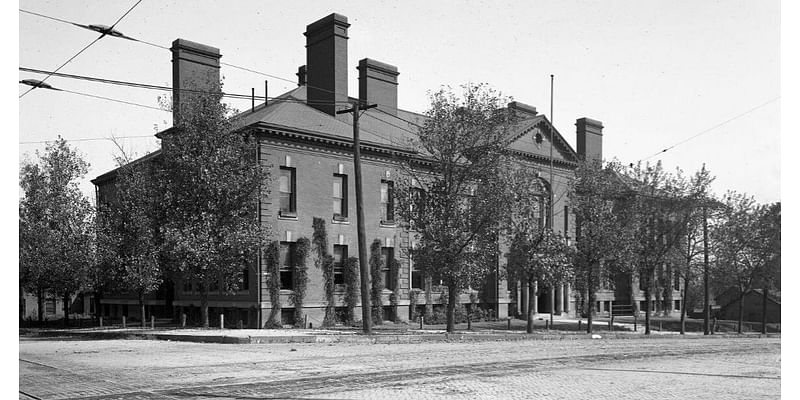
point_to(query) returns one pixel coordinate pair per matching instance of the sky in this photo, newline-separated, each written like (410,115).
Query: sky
(655,73)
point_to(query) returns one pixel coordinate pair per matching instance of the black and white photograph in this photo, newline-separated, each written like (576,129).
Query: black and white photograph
(399,200)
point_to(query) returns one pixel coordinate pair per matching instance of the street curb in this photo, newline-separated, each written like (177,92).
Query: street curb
(372,339)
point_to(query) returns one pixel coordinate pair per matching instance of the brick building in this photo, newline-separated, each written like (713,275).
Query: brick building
(310,149)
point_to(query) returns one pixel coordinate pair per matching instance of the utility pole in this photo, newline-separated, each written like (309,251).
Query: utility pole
(550,200)
(366,312)
(706,305)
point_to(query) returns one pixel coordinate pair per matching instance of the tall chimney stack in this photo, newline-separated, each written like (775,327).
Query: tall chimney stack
(589,137)
(326,61)
(195,66)
(377,83)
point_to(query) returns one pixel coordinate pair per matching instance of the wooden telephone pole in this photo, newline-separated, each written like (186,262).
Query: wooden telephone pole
(366,311)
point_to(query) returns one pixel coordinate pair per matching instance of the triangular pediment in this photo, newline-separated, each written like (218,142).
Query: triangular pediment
(532,138)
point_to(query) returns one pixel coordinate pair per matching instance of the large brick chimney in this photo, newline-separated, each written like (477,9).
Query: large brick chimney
(326,61)
(195,66)
(589,137)
(377,83)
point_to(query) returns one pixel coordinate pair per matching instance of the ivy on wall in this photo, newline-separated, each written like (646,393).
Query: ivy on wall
(300,278)
(377,281)
(325,261)
(394,276)
(272,260)
(350,272)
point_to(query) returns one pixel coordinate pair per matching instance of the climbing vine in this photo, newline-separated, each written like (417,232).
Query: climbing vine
(300,278)
(272,260)
(325,261)
(350,272)
(377,282)
(394,276)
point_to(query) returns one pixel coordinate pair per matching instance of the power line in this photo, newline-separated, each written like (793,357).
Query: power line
(91,139)
(167,88)
(124,15)
(167,48)
(62,65)
(102,35)
(712,128)
(114,100)
(401,119)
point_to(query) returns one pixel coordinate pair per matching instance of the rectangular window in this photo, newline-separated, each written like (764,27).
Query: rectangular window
(288,192)
(387,201)
(417,282)
(677,281)
(339,196)
(387,264)
(642,282)
(566,221)
(50,306)
(287,265)
(243,279)
(339,255)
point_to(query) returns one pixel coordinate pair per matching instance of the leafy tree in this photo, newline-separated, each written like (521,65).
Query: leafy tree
(127,234)
(656,216)
(452,195)
(745,242)
(769,228)
(56,225)
(536,253)
(595,196)
(212,182)
(690,248)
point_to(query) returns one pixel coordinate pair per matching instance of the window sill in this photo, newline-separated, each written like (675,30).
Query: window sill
(340,220)
(286,291)
(388,224)
(287,216)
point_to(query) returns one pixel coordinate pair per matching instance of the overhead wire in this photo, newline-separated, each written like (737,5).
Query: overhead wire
(114,100)
(222,63)
(102,35)
(712,128)
(90,139)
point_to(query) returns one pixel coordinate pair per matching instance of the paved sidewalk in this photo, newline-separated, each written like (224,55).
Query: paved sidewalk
(263,336)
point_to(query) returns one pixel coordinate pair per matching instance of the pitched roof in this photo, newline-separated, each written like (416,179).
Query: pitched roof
(290,111)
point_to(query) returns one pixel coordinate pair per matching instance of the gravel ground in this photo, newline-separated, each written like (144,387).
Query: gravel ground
(719,368)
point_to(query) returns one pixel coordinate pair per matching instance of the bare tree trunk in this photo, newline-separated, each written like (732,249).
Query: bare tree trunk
(684,302)
(428,298)
(531,296)
(741,312)
(552,299)
(204,305)
(141,308)
(647,308)
(452,292)
(591,299)
(66,310)
(40,304)
(764,310)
